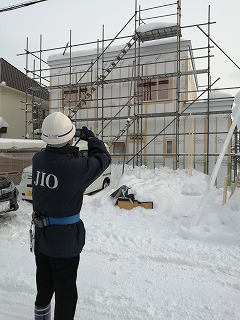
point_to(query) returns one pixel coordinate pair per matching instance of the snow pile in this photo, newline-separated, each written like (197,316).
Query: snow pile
(141,263)
(155,26)
(21,144)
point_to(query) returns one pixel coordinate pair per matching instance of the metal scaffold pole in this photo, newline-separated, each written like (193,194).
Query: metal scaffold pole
(134,98)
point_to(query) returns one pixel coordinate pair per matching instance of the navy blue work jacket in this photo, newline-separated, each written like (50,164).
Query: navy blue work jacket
(59,179)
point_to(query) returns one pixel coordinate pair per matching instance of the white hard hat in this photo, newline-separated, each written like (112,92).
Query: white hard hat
(57,129)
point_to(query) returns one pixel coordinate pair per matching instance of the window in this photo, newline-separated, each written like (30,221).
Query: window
(153,89)
(137,136)
(163,89)
(119,148)
(148,90)
(169,146)
(71,96)
(3,130)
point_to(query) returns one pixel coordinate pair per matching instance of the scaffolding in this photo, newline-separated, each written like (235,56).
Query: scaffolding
(78,87)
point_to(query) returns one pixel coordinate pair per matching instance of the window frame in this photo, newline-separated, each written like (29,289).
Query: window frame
(166,152)
(150,89)
(3,130)
(78,92)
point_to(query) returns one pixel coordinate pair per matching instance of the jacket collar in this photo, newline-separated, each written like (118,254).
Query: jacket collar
(64,150)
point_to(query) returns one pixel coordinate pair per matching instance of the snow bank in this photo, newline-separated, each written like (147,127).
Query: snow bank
(154,26)
(143,263)
(21,144)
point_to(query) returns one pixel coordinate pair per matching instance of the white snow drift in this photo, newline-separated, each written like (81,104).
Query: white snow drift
(143,263)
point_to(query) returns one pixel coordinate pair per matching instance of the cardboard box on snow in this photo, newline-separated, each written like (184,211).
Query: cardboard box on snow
(126,204)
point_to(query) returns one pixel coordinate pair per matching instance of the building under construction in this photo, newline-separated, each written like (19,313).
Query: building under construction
(140,93)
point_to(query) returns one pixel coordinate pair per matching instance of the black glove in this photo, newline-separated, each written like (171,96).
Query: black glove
(86,134)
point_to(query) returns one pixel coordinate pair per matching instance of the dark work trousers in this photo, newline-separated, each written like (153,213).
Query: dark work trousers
(57,275)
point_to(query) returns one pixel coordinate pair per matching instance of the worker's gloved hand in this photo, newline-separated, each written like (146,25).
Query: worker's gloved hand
(86,134)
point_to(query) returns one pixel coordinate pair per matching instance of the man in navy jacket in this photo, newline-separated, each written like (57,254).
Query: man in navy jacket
(59,179)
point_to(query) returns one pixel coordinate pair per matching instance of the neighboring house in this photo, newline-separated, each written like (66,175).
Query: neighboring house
(23,103)
(137,109)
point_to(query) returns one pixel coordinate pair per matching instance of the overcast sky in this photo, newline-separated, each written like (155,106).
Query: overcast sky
(53,19)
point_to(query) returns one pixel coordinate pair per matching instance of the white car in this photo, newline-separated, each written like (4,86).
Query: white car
(25,186)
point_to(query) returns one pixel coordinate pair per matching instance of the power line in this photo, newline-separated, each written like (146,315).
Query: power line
(21,5)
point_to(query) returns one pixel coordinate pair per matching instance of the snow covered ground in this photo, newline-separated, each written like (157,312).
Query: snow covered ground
(143,263)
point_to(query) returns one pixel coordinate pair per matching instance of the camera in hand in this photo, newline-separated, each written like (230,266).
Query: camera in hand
(78,133)
(84,133)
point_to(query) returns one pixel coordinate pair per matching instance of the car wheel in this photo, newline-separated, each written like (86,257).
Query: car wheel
(106,183)
(14,206)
